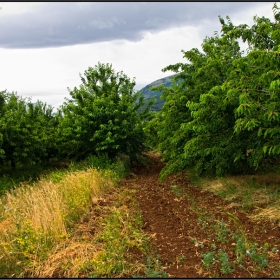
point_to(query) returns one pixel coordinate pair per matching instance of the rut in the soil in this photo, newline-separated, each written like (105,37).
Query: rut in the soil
(173,224)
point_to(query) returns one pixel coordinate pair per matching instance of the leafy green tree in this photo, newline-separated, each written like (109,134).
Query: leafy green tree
(223,116)
(27,129)
(14,129)
(185,138)
(43,124)
(101,116)
(253,87)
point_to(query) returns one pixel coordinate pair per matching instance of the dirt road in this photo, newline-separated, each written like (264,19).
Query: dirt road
(197,234)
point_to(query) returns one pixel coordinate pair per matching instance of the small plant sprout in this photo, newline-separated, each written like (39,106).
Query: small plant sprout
(208,259)
(181,259)
(274,250)
(226,266)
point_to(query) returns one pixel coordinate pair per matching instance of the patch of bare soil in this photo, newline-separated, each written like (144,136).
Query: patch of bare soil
(186,222)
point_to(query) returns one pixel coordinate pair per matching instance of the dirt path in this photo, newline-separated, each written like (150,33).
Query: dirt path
(187,223)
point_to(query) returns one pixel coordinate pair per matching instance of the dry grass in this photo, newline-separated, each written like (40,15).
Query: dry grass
(37,217)
(108,242)
(272,213)
(258,194)
(42,204)
(67,262)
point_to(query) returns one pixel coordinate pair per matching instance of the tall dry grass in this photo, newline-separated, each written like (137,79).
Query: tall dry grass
(36,217)
(258,194)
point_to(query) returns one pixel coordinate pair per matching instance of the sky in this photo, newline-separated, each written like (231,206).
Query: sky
(44,46)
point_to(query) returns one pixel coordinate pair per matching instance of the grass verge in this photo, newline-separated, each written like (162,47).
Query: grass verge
(110,243)
(34,218)
(258,195)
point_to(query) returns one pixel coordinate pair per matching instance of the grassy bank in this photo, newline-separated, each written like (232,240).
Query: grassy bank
(37,217)
(258,195)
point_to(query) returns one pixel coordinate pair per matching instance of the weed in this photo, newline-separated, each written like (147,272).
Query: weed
(202,222)
(10,179)
(193,206)
(102,161)
(244,248)
(111,260)
(177,190)
(240,249)
(260,259)
(223,231)
(202,219)
(230,191)
(259,192)
(36,217)
(213,246)
(226,266)
(197,243)
(120,164)
(276,272)
(181,259)
(274,250)
(121,232)
(208,259)
(154,269)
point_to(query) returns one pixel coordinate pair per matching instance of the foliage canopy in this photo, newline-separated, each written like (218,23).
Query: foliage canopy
(101,116)
(224,114)
(26,130)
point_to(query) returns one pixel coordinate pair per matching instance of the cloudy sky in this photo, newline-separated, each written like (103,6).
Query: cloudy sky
(44,46)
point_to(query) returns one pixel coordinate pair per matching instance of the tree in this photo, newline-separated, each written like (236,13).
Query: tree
(101,116)
(183,136)
(254,87)
(27,129)
(224,115)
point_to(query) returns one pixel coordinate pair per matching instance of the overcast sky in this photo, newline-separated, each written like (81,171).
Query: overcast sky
(44,46)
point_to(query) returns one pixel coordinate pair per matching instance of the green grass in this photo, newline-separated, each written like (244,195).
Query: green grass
(37,216)
(243,250)
(11,179)
(119,248)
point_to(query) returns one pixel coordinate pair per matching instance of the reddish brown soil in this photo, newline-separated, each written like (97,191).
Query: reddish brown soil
(182,220)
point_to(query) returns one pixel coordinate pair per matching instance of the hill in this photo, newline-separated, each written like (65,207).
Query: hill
(149,93)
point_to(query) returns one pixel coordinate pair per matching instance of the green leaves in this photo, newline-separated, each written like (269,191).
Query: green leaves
(27,130)
(101,116)
(226,104)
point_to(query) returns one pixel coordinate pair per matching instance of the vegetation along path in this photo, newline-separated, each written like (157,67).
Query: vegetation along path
(198,234)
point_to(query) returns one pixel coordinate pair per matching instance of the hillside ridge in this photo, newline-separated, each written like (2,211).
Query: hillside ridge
(166,81)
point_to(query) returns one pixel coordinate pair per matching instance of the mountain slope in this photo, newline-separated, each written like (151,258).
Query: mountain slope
(149,93)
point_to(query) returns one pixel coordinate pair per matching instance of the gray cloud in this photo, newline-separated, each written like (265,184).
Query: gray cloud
(61,24)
